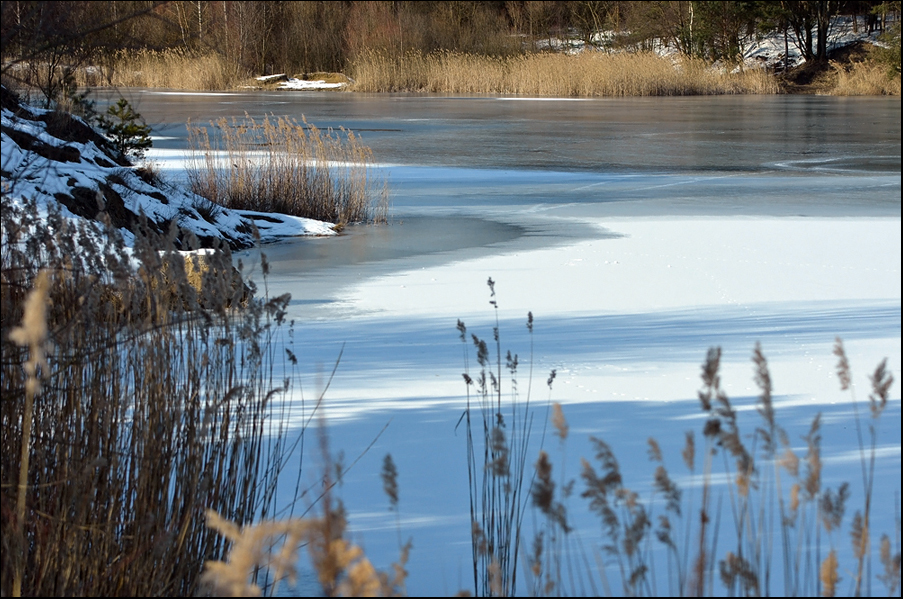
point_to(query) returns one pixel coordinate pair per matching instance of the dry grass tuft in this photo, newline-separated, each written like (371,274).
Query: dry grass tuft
(866,78)
(176,69)
(280,165)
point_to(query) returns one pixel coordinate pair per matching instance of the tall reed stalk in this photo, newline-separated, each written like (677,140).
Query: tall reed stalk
(157,401)
(499,424)
(778,511)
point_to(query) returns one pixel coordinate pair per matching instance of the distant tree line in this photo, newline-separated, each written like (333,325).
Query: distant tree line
(267,37)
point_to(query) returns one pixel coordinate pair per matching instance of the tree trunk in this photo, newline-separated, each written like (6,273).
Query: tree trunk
(822,24)
(786,49)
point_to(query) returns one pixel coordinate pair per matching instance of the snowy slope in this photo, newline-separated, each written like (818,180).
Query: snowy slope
(53,157)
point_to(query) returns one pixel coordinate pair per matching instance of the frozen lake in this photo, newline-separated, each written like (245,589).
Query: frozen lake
(467,173)
(639,232)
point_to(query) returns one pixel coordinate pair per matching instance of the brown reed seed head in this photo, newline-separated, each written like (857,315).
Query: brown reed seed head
(655,452)
(735,568)
(828,575)
(689,451)
(881,381)
(33,332)
(832,506)
(794,499)
(843,365)
(891,575)
(499,442)
(859,535)
(462,330)
(667,487)
(559,422)
(535,559)
(543,491)
(495,578)
(479,538)
(813,458)
(389,476)
(790,462)
(766,406)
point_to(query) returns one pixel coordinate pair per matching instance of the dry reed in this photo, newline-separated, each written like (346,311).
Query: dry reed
(156,403)
(865,78)
(281,165)
(499,424)
(743,568)
(778,512)
(343,570)
(587,74)
(151,412)
(176,69)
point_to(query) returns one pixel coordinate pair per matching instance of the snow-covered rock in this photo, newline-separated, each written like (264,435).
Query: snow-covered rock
(55,157)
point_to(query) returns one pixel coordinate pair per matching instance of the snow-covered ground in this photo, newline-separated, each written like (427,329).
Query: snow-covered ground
(285,82)
(759,50)
(39,162)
